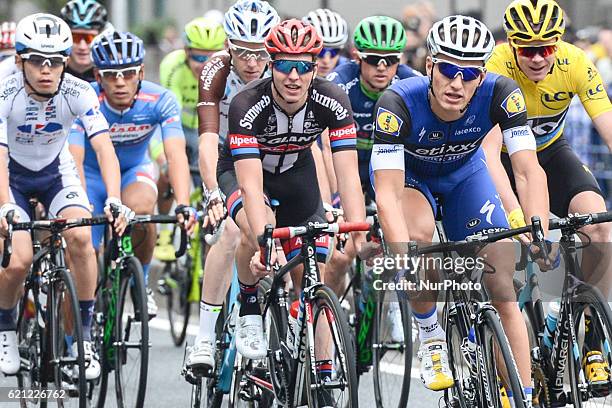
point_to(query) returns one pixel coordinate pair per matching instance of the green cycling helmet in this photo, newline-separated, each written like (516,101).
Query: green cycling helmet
(380,33)
(204,34)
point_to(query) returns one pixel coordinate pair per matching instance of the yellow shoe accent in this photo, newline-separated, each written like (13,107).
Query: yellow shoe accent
(164,250)
(505,401)
(596,368)
(435,372)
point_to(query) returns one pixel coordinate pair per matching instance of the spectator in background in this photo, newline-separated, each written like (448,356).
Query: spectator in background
(86,19)
(417,19)
(7,49)
(334,31)
(604,64)
(170,40)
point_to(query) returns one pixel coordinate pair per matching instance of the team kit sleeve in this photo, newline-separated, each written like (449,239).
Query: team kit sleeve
(76,136)
(392,125)
(242,139)
(89,113)
(211,90)
(508,109)
(590,86)
(169,117)
(342,130)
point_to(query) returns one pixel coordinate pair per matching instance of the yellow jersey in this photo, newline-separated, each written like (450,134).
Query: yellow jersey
(548,100)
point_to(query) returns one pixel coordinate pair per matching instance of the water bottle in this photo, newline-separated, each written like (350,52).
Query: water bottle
(292,329)
(551,323)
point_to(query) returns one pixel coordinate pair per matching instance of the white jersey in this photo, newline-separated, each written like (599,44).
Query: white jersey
(8,67)
(36,133)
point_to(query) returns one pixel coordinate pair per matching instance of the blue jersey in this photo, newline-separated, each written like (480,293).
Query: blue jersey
(130,130)
(346,76)
(435,147)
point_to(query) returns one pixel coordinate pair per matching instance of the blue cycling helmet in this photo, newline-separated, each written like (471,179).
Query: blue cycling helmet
(116,50)
(85,14)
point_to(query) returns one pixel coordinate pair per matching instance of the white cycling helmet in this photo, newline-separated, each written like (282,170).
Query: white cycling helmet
(461,37)
(250,21)
(330,26)
(44,33)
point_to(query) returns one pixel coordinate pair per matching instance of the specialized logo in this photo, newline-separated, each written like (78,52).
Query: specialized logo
(514,103)
(254,111)
(332,104)
(557,100)
(388,122)
(488,209)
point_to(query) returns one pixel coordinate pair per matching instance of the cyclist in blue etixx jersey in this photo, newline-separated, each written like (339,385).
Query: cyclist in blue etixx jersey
(332,28)
(37,106)
(226,73)
(427,137)
(379,41)
(135,109)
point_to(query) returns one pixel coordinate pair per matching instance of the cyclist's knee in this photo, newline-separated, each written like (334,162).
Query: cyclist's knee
(598,233)
(78,240)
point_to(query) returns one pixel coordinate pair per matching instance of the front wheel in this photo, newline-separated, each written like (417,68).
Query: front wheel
(176,285)
(338,387)
(131,336)
(392,354)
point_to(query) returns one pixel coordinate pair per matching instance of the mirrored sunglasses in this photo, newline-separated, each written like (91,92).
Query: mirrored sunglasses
(333,52)
(450,70)
(286,66)
(530,52)
(247,54)
(78,37)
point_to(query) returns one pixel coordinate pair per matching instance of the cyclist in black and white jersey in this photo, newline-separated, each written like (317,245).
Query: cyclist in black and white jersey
(272,124)
(37,107)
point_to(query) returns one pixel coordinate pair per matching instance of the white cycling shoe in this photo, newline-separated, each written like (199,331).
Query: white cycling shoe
(435,371)
(92,365)
(394,317)
(9,352)
(201,357)
(251,341)
(151,304)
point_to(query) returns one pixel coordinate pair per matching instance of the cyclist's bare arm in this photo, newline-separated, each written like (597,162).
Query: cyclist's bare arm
(389,190)
(211,90)
(329,164)
(349,187)
(603,124)
(322,178)
(178,168)
(249,173)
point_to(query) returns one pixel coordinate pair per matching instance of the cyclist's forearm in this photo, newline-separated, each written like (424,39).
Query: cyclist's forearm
(5,196)
(250,179)
(178,169)
(533,194)
(328,160)
(349,185)
(389,191)
(209,155)
(322,179)
(111,173)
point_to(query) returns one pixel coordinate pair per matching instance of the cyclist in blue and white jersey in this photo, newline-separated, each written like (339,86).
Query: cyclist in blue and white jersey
(334,31)
(38,105)
(247,23)
(427,137)
(134,108)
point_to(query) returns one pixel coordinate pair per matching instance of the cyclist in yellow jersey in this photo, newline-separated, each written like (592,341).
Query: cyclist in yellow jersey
(550,72)
(179,71)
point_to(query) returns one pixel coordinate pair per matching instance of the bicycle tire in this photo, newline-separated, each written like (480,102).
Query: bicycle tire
(30,340)
(601,315)
(98,388)
(177,305)
(491,330)
(385,391)
(240,391)
(132,284)
(196,393)
(326,301)
(464,390)
(59,290)
(533,312)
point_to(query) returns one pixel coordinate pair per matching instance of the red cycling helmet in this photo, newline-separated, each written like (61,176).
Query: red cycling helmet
(293,37)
